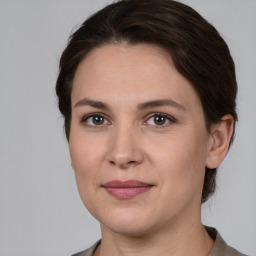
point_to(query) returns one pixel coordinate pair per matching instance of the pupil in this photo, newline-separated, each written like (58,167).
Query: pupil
(159,120)
(98,120)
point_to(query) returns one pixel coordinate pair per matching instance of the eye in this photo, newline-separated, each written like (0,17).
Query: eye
(94,120)
(160,119)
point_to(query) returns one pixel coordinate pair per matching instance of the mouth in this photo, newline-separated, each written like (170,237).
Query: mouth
(126,189)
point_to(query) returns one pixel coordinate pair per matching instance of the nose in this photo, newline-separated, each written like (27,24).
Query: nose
(125,151)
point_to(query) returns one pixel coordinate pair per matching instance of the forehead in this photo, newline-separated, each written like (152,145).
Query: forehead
(121,58)
(133,72)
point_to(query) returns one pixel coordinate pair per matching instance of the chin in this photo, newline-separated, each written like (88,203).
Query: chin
(127,222)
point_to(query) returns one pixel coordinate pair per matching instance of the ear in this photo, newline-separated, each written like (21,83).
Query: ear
(220,138)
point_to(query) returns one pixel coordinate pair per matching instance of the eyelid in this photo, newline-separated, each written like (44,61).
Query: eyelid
(160,114)
(86,117)
(167,116)
(170,118)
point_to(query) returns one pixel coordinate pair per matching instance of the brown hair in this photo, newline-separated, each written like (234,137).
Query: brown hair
(198,51)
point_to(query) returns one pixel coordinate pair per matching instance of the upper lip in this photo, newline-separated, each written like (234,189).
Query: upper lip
(125,184)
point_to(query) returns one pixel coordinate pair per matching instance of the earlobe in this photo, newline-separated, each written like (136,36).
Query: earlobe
(221,134)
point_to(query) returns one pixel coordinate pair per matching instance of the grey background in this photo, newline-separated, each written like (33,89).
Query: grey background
(40,209)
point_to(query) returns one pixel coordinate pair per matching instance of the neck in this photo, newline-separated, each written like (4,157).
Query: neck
(190,239)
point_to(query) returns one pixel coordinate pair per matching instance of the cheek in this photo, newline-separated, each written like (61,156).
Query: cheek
(84,165)
(85,151)
(180,163)
(85,157)
(180,151)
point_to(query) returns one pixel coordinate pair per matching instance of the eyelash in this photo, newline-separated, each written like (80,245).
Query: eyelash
(167,118)
(84,120)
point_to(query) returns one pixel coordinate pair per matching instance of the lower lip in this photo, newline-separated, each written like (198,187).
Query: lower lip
(127,192)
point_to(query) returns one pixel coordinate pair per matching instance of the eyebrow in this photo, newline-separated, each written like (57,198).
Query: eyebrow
(141,106)
(92,103)
(160,103)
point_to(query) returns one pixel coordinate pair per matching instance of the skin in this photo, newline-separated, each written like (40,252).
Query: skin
(129,145)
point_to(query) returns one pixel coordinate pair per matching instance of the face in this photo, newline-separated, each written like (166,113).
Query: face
(138,140)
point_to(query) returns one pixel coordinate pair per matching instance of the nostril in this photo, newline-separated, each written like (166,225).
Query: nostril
(112,162)
(131,162)
(123,165)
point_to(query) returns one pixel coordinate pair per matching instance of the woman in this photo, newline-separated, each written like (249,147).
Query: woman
(147,90)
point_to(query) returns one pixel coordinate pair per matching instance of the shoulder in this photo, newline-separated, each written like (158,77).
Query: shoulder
(221,248)
(89,251)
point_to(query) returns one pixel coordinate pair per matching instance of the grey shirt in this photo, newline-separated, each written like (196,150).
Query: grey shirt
(220,247)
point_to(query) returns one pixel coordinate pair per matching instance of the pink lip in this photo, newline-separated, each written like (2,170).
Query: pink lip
(126,189)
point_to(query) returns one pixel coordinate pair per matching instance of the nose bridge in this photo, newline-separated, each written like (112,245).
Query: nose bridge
(125,149)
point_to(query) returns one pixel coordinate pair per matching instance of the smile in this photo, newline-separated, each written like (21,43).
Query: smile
(126,189)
